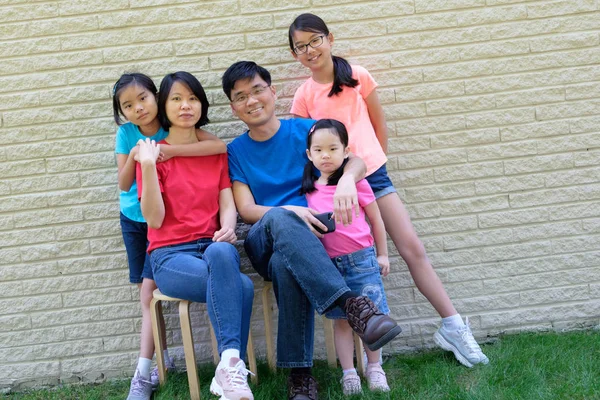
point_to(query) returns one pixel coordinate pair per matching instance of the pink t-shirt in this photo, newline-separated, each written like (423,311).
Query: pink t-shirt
(350,238)
(348,107)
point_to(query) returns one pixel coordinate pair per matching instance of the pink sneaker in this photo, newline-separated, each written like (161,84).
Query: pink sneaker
(376,379)
(231,381)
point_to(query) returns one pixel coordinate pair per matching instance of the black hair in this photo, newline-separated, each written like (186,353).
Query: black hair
(242,70)
(193,84)
(125,81)
(342,71)
(309,176)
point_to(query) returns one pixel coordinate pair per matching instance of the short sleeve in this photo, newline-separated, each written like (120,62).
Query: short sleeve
(366,81)
(299,107)
(235,170)
(121,143)
(224,181)
(365,193)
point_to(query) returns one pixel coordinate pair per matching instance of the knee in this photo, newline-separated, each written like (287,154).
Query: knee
(276,216)
(222,250)
(247,286)
(413,250)
(146,294)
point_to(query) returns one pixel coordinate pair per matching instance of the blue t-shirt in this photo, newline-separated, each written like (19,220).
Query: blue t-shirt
(272,169)
(127,137)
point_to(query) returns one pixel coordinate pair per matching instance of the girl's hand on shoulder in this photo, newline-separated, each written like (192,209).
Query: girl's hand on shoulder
(148,151)
(225,235)
(384,265)
(345,201)
(135,152)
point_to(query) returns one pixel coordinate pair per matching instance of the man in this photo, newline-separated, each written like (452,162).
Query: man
(266,165)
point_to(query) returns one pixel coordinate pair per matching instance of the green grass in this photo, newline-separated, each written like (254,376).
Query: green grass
(526,366)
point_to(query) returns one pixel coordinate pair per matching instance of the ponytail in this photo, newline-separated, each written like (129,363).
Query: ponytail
(308,178)
(342,76)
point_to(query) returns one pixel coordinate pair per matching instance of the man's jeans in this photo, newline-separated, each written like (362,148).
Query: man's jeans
(208,272)
(283,249)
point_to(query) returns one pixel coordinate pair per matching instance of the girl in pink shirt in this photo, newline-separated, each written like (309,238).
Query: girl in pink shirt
(349,246)
(338,90)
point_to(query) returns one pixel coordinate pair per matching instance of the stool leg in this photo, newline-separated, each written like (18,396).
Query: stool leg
(252,358)
(158,333)
(215,346)
(329,342)
(188,348)
(360,355)
(268,316)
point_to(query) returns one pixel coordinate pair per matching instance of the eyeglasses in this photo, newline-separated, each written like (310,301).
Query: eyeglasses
(242,98)
(314,43)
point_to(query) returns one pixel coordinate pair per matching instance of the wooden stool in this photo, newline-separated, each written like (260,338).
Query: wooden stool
(188,343)
(328,328)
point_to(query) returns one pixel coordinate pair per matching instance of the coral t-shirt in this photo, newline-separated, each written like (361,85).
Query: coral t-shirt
(350,108)
(190,189)
(349,238)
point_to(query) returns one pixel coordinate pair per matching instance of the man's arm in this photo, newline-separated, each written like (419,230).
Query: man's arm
(345,199)
(252,212)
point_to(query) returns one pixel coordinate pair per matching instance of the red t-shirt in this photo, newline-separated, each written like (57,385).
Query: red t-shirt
(190,189)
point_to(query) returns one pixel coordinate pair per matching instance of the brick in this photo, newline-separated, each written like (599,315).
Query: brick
(102,211)
(542,197)
(460,105)
(80,162)
(10,289)
(38,116)
(566,245)
(99,329)
(432,158)
(74,95)
(209,45)
(83,196)
(21,168)
(90,6)
(411,177)
(60,148)
(509,184)
(580,108)
(571,177)
(568,228)
(22,100)
(37,369)
(99,296)
(7,222)
(467,171)
(536,130)
(538,164)
(14,323)
(474,137)
(439,192)
(454,36)
(522,317)
(37,270)
(479,239)
(547,60)
(15,238)
(49,27)
(439,5)
(53,250)
(93,264)
(491,15)
(474,205)
(107,245)
(405,110)
(138,52)
(562,7)
(421,23)
(42,183)
(507,218)
(501,117)
(57,61)
(562,42)
(98,177)
(429,91)
(507,150)
(135,18)
(205,10)
(583,91)
(81,128)
(486,303)
(530,97)
(445,225)
(46,217)
(493,49)
(70,283)
(584,124)
(457,71)
(21,13)
(88,230)
(18,305)
(408,144)
(36,336)
(49,351)
(584,210)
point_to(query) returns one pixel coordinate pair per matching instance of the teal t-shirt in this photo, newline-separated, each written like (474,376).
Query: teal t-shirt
(127,137)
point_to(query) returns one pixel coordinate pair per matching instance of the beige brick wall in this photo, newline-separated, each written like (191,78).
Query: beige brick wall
(493,108)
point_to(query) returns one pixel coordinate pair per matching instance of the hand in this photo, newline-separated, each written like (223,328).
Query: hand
(384,265)
(148,151)
(308,216)
(225,235)
(135,153)
(162,157)
(345,201)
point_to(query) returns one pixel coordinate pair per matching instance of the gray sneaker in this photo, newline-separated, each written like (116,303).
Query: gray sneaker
(170,364)
(140,388)
(462,343)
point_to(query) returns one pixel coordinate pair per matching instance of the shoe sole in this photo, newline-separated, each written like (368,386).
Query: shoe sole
(385,339)
(217,390)
(444,344)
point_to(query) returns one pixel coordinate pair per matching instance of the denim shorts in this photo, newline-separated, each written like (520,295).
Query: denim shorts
(380,182)
(135,237)
(360,270)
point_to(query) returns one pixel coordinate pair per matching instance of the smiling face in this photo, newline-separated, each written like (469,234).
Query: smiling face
(183,108)
(138,105)
(314,58)
(326,151)
(257,109)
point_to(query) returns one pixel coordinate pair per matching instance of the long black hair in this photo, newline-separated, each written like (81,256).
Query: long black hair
(125,81)
(309,176)
(195,87)
(342,72)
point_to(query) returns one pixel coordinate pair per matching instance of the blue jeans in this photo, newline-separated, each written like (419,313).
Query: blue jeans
(135,237)
(380,182)
(208,272)
(283,249)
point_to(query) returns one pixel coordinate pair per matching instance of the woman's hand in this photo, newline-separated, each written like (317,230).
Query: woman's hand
(148,151)
(225,235)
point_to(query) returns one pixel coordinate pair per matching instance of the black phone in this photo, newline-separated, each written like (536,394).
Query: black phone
(327,220)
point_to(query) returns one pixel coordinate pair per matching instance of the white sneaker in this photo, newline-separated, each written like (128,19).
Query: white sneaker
(140,388)
(377,380)
(169,364)
(462,343)
(351,384)
(231,381)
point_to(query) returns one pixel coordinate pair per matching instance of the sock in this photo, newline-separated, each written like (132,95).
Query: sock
(301,370)
(453,322)
(341,301)
(143,366)
(349,371)
(166,357)
(228,354)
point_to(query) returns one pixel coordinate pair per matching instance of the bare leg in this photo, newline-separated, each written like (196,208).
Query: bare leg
(344,343)
(373,356)
(146,338)
(399,227)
